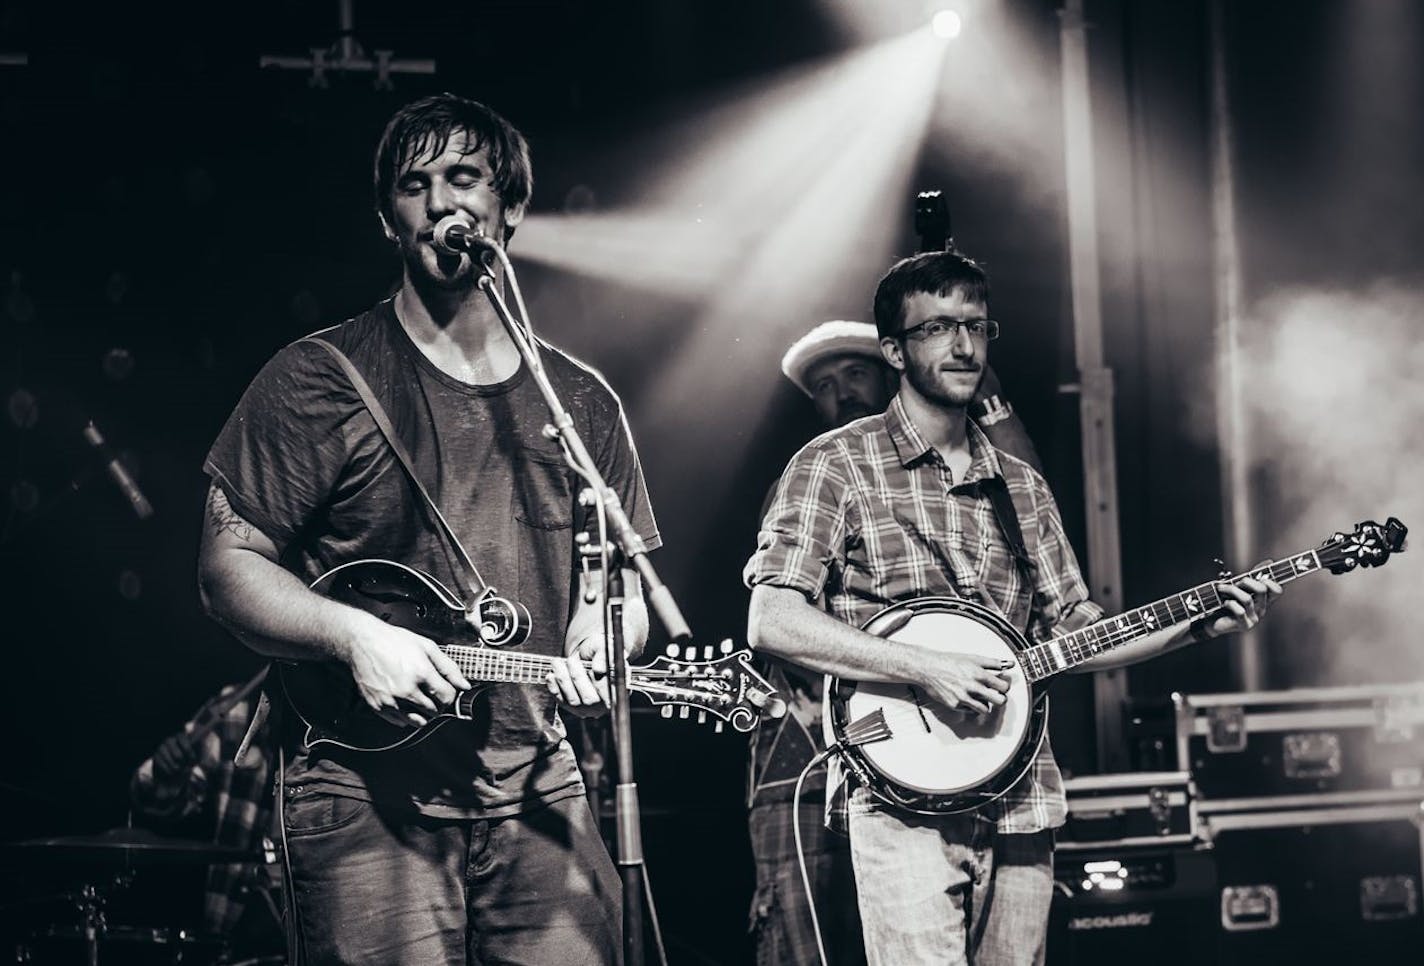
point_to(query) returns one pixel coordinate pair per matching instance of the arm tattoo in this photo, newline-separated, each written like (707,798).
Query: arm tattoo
(223,518)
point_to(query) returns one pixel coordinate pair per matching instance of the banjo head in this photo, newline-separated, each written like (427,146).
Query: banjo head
(937,760)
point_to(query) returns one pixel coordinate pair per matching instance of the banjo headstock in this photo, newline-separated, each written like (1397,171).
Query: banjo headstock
(1370,544)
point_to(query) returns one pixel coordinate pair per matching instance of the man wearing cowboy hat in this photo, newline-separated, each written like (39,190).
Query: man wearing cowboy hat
(838,365)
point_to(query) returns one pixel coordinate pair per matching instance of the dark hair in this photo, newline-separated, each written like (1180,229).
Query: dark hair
(424,128)
(934,273)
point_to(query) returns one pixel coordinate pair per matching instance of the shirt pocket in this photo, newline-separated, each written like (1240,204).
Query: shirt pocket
(543,494)
(898,556)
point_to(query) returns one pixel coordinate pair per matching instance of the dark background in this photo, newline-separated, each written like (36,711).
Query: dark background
(172,215)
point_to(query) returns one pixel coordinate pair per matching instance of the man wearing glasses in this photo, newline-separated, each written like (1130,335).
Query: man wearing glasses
(899,506)
(840,368)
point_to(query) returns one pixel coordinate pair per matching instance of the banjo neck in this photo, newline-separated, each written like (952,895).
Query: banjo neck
(1067,651)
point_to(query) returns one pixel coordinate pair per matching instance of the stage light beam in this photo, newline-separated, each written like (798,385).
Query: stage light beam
(767,212)
(816,254)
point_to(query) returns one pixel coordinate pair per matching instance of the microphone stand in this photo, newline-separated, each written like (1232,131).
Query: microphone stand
(627,818)
(625,547)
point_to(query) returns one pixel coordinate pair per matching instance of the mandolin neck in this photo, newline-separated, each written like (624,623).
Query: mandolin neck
(514,667)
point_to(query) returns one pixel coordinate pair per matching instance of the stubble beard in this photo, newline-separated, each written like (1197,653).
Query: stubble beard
(462,279)
(926,382)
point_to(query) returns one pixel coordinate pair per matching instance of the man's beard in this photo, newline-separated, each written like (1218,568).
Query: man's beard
(926,381)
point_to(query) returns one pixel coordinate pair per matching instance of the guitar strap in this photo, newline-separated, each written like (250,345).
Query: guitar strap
(1003,503)
(477,585)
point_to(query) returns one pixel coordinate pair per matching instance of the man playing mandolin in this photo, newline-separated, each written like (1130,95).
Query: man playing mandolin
(902,506)
(475,844)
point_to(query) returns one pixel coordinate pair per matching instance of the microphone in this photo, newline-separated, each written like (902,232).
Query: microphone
(453,234)
(117,472)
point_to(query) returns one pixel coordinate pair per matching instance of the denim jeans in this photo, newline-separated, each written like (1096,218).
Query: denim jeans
(535,889)
(947,891)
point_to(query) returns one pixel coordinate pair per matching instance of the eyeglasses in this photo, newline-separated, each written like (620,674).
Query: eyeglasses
(938,330)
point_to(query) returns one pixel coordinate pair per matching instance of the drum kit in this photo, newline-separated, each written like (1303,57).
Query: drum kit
(78,923)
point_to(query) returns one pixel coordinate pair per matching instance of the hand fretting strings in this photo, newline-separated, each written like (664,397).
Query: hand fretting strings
(1070,650)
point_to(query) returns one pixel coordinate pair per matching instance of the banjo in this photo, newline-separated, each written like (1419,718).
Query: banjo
(916,754)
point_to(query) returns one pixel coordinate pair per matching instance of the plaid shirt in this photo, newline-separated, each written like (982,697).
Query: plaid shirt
(238,798)
(869,514)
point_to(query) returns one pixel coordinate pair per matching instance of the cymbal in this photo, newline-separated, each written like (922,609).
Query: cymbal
(126,845)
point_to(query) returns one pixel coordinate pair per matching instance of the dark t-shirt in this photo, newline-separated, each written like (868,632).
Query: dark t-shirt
(303,461)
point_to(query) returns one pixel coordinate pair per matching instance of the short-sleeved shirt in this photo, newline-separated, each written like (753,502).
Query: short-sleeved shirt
(302,460)
(780,748)
(869,514)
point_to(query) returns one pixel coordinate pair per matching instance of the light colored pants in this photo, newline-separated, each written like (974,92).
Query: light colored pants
(948,891)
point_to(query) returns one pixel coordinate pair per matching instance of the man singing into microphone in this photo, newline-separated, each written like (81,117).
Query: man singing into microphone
(475,844)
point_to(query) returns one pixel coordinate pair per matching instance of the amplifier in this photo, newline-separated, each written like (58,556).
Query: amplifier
(1133,905)
(1130,886)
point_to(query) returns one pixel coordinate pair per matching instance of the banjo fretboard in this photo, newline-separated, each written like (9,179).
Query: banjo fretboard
(1070,650)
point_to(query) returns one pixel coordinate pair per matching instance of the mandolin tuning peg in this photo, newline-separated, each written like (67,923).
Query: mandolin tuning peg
(707,653)
(726,646)
(717,727)
(683,711)
(667,711)
(673,650)
(701,717)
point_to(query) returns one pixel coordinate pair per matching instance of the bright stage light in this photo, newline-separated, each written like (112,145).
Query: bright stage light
(740,171)
(946,24)
(761,212)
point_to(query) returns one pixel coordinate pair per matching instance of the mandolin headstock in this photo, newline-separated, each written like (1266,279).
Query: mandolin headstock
(724,687)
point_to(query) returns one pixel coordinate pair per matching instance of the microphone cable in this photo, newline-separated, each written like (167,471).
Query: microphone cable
(801,849)
(871,727)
